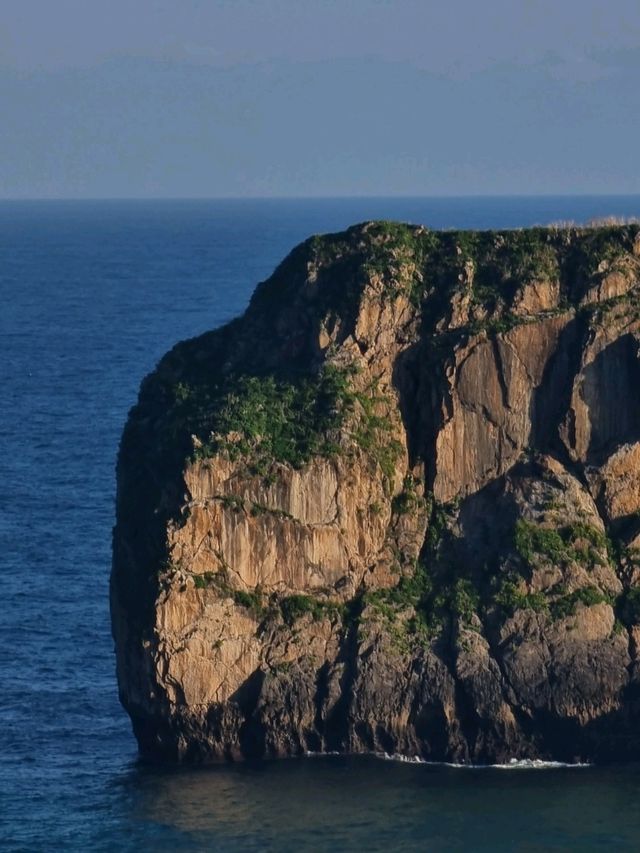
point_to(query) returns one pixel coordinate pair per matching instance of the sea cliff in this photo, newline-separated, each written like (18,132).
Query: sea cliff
(394,507)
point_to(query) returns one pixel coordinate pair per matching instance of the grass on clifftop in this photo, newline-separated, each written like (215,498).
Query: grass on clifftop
(267,419)
(272,419)
(493,264)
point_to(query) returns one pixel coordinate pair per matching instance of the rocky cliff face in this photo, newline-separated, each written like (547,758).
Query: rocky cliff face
(394,507)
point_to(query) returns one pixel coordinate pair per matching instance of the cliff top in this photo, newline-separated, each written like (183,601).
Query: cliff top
(268,364)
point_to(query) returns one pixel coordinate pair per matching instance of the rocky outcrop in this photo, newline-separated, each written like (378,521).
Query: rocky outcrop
(394,507)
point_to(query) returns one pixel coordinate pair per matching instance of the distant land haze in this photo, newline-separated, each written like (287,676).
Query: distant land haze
(458,38)
(306,98)
(132,127)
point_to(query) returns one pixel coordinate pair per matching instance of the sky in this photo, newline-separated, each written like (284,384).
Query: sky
(216,98)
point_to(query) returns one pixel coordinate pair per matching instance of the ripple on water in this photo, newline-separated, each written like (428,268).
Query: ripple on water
(92,295)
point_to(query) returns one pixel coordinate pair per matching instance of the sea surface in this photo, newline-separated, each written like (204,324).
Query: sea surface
(91,295)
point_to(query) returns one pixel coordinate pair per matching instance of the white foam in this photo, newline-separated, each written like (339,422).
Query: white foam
(309,754)
(512,764)
(537,764)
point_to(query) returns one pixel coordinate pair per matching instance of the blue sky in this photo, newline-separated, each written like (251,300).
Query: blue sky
(203,98)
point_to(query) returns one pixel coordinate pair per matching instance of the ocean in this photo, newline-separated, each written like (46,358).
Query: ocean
(92,293)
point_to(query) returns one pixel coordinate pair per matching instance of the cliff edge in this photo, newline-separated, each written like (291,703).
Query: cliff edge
(394,507)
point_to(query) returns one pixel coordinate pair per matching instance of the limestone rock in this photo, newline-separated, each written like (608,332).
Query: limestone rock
(395,507)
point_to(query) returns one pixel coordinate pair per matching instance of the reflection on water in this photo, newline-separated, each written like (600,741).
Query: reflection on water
(367,804)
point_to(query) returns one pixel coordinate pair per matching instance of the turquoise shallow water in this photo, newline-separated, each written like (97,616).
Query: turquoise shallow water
(91,295)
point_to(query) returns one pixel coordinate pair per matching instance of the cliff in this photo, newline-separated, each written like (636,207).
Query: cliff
(394,507)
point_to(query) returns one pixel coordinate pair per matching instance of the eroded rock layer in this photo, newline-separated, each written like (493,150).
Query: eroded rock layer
(394,507)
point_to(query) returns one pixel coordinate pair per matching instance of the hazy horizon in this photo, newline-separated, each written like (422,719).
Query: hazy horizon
(358,98)
(355,197)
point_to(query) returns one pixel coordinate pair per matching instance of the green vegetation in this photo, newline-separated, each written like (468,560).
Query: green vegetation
(573,543)
(494,263)
(258,509)
(608,243)
(408,500)
(399,254)
(631,555)
(565,605)
(271,420)
(511,598)
(423,601)
(464,600)
(578,543)
(265,420)
(293,607)
(556,602)
(372,431)
(437,527)
(418,607)
(496,325)
(503,261)
(531,541)
(406,608)
(252,600)
(234,502)
(491,265)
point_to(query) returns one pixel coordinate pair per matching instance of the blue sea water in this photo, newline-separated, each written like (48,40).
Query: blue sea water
(91,295)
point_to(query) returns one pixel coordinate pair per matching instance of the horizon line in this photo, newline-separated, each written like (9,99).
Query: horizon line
(363,197)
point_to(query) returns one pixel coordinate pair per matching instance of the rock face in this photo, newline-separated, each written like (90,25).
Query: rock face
(394,507)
